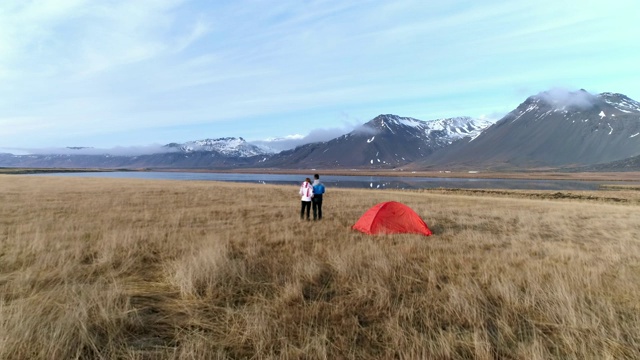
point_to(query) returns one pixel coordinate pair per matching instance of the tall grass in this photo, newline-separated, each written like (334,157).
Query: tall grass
(134,269)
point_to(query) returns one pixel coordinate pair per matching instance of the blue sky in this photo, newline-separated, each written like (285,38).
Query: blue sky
(123,73)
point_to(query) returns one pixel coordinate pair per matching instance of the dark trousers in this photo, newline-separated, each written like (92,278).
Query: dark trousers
(317,207)
(306,205)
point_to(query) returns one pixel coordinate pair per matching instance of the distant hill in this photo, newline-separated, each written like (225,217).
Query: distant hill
(221,153)
(628,164)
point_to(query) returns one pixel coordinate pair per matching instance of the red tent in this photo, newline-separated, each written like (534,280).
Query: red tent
(391,218)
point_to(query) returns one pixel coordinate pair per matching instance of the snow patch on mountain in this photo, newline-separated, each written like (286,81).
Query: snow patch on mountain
(448,129)
(460,127)
(531,107)
(620,102)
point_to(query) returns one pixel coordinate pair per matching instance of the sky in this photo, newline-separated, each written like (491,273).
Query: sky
(123,74)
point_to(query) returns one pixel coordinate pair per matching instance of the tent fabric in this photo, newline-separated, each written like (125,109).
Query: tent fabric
(391,217)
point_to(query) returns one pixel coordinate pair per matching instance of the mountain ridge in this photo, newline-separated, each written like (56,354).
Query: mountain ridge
(552,129)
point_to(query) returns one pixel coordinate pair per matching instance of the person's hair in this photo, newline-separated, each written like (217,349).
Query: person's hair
(316,176)
(307,180)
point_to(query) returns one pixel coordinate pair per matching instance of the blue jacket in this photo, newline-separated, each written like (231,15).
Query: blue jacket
(318,188)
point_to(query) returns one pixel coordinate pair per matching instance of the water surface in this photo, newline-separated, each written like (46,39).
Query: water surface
(341,181)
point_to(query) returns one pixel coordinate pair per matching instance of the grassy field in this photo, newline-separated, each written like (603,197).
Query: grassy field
(138,269)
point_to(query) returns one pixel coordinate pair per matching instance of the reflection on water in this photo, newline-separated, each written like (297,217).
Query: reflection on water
(371,182)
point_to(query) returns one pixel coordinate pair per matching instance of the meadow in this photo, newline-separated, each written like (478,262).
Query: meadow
(141,269)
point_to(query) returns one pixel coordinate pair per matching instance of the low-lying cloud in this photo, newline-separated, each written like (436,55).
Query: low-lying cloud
(115,151)
(277,144)
(365,130)
(315,135)
(560,98)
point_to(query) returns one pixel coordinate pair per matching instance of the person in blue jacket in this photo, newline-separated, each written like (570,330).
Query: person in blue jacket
(318,191)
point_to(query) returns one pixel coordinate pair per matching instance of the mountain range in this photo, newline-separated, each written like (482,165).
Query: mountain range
(550,130)
(387,141)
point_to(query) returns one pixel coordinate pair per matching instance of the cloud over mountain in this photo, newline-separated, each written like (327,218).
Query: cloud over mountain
(315,135)
(114,151)
(561,98)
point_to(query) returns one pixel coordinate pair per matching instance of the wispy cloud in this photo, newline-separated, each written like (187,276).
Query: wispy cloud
(199,30)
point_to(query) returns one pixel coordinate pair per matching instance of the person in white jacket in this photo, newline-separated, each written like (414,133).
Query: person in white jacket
(306,191)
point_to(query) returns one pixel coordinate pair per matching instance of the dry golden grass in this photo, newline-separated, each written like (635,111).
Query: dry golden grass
(133,269)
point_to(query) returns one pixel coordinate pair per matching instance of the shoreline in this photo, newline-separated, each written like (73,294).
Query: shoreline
(533,175)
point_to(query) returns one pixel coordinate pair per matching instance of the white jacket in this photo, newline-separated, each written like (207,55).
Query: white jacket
(306,191)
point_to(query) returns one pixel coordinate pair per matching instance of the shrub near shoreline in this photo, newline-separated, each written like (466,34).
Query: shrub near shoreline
(97,268)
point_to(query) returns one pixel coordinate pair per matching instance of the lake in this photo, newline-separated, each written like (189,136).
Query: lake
(340,181)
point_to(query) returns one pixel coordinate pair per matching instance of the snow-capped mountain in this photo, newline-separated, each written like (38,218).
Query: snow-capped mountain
(441,130)
(552,129)
(384,142)
(227,146)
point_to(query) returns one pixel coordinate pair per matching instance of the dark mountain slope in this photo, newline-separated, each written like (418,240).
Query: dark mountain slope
(548,130)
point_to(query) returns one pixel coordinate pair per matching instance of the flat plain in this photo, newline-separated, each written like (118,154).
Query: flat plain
(141,269)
